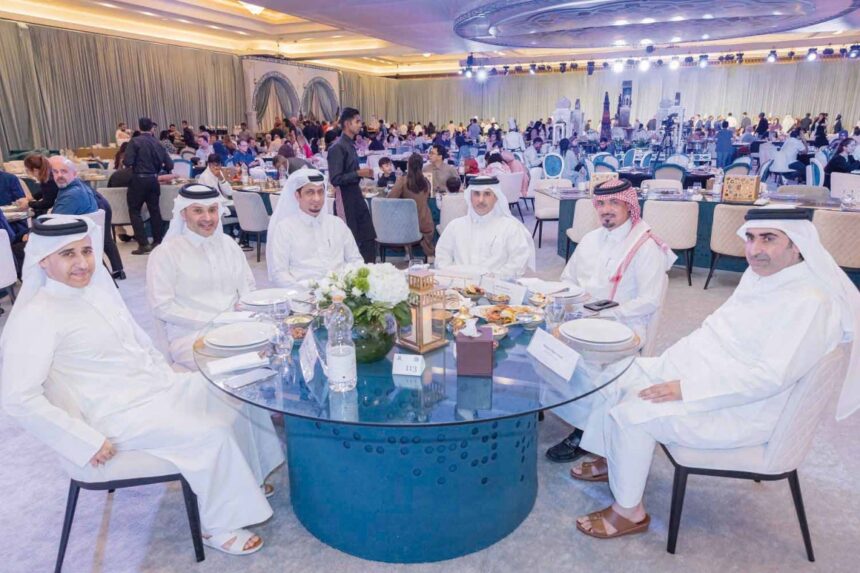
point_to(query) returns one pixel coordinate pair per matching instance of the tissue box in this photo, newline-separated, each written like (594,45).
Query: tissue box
(475,355)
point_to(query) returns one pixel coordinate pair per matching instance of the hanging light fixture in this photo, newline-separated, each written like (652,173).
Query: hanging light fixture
(812,55)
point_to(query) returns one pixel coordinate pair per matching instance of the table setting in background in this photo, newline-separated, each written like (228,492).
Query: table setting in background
(14,213)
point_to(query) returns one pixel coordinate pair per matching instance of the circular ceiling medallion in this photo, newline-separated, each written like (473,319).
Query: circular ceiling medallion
(604,23)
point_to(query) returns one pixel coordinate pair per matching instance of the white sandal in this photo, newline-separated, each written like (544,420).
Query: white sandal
(242,537)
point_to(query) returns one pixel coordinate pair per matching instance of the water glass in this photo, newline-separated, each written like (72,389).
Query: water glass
(849,200)
(554,312)
(281,310)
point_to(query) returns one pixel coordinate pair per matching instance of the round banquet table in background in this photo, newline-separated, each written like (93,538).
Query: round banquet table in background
(635,177)
(693,177)
(415,468)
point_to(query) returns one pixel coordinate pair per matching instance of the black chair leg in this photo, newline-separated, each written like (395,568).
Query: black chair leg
(715,258)
(532,199)
(794,484)
(679,487)
(690,266)
(259,245)
(687,267)
(521,212)
(193,519)
(567,250)
(537,222)
(111,490)
(540,233)
(71,503)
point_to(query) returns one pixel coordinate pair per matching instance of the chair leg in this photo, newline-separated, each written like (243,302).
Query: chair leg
(537,222)
(258,246)
(567,250)
(540,233)
(521,212)
(715,258)
(381,253)
(193,519)
(679,487)
(687,256)
(532,199)
(71,503)
(794,484)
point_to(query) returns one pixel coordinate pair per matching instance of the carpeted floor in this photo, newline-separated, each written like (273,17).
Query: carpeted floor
(728,525)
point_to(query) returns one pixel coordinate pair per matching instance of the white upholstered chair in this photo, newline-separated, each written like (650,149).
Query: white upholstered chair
(676,223)
(117,198)
(807,192)
(546,209)
(840,234)
(511,183)
(252,215)
(8,272)
(274,198)
(453,205)
(585,220)
(841,182)
(724,239)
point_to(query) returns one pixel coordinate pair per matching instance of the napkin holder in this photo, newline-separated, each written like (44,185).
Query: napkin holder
(475,354)
(740,189)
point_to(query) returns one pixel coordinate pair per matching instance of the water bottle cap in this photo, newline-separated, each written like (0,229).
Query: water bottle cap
(337,298)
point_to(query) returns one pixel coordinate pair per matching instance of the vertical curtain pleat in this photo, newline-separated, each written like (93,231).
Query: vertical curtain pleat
(320,100)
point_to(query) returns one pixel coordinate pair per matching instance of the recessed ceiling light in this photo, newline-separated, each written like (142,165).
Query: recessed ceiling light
(648,20)
(621,22)
(675,39)
(708,17)
(677,18)
(252,8)
(705,36)
(241,33)
(620,42)
(148,14)
(213,26)
(107,4)
(183,20)
(305,39)
(644,65)
(645,42)
(337,36)
(777,13)
(674,64)
(618,66)
(427,54)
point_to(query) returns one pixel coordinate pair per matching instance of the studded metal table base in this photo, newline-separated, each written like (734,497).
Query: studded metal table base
(411,494)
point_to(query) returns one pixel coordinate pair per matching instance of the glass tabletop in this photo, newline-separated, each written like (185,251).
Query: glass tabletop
(520,385)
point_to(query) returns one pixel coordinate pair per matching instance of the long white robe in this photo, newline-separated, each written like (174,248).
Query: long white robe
(127,393)
(736,371)
(211,180)
(490,244)
(189,281)
(304,249)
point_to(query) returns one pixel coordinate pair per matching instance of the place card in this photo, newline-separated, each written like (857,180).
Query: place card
(513,290)
(408,365)
(553,353)
(308,355)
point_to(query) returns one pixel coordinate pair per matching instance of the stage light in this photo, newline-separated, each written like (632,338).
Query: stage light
(507,69)
(740,57)
(644,65)
(771,57)
(703,61)
(562,67)
(618,66)
(518,69)
(590,67)
(812,55)
(533,69)
(674,64)
(791,54)
(630,63)
(574,65)
(659,63)
(828,52)
(460,71)
(854,51)
(481,76)
(689,60)
(605,65)
(468,72)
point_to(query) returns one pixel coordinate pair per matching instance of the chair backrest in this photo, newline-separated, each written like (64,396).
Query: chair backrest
(257,173)
(840,234)
(628,158)
(395,221)
(767,151)
(169,193)
(117,198)
(511,183)
(800,418)
(453,206)
(8,272)
(646,160)
(724,238)
(670,171)
(187,154)
(810,192)
(842,182)
(98,217)
(608,159)
(815,173)
(553,166)
(675,222)
(649,184)
(273,201)
(602,167)
(654,324)
(182,167)
(745,159)
(585,220)
(822,156)
(546,207)
(764,172)
(373,163)
(678,159)
(738,168)
(251,211)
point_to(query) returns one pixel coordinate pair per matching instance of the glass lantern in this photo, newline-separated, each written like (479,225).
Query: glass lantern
(427,306)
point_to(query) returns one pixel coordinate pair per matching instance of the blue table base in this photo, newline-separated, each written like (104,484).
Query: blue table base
(412,494)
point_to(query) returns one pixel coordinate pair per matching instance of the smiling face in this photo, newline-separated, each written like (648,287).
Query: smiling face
(483,200)
(73,265)
(311,198)
(612,212)
(202,219)
(769,251)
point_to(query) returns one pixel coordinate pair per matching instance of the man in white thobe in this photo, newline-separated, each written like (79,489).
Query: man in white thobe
(622,261)
(91,349)
(213,176)
(726,384)
(488,239)
(305,242)
(534,161)
(513,138)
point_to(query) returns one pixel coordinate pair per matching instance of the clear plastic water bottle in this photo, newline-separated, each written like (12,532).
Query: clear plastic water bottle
(245,178)
(340,350)
(718,185)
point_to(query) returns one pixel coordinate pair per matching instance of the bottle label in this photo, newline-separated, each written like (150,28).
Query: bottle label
(341,363)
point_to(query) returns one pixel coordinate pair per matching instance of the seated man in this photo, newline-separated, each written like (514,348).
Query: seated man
(130,399)
(306,243)
(438,170)
(534,160)
(387,176)
(726,384)
(488,239)
(624,262)
(213,176)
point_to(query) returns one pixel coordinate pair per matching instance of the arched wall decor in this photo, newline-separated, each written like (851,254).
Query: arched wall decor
(286,95)
(320,100)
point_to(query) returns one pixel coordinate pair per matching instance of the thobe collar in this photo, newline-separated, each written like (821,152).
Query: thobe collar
(618,234)
(781,278)
(197,240)
(310,220)
(63,290)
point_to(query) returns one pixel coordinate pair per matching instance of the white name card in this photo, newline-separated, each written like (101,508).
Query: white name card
(553,353)
(408,365)
(515,291)
(308,355)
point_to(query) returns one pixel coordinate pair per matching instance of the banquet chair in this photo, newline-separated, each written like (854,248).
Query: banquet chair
(839,232)
(815,173)
(117,197)
(546,209)
(373,163)
(745,159)
(678,159)
(8,271)
(187,155)
(766,152)
(645,162)
(585,220)
(601,166)
(764,171)
(511,183)
(806,192)
(677,224)
(396,224)
(274,198)
(842,182)
(649,184)
(252,215)
(166,200)
(126,469)
(608,159)
(182,168)
(724,239)
(775,460)
(670,171)
(628,158)
(553,166)
(822,155)
(453,205)
(737,168)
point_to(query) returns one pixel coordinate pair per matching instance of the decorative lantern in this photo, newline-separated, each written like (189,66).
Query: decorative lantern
(427,305)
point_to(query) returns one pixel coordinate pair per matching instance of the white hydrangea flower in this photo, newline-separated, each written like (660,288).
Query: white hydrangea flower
(388,285)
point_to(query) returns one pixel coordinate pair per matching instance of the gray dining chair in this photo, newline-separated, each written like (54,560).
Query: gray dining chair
(252,214)
(166,200)
(117,197)
(396,224)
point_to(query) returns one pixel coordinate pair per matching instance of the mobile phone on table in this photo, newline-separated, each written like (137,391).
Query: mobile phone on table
(599,305)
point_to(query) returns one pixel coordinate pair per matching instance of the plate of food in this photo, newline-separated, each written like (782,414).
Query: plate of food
(500,314)
(298,324)
(472,291)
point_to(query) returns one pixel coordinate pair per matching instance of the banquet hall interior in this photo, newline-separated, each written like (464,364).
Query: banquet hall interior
(437,277)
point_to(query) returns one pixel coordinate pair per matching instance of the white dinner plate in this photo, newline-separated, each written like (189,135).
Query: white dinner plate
(596,331)
(240,334)
(268,296)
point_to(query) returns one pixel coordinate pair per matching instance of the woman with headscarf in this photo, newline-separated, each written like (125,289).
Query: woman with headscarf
(516,166)
(416,187)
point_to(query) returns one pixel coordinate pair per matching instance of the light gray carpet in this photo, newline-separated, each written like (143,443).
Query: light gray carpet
(727,525)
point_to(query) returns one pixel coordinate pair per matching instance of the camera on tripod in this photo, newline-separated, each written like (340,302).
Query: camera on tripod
(669,122)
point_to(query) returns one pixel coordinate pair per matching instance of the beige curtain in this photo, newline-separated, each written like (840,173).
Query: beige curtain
(776,89)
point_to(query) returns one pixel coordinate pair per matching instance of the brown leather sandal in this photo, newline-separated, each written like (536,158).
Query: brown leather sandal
(595,470)
(622,525)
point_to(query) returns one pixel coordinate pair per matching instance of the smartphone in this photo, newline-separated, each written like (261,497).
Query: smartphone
(599,305)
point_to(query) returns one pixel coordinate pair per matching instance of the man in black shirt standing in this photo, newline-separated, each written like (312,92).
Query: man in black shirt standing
(147,158)
(344,173)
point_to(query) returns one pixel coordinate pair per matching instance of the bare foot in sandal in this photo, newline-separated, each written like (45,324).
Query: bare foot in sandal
(614,521)
(225,542)
(592,470)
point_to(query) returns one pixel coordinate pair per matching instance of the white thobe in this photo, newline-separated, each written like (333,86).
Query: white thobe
(534,163)
(490,244)
(514,141)
(304,249)
(736,372)
(127,393)
(189,281)
(211,180)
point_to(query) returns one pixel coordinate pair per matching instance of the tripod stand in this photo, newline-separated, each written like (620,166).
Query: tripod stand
(666,148)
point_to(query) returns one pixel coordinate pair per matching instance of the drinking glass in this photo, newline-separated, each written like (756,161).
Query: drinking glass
(554,313)
(849,199)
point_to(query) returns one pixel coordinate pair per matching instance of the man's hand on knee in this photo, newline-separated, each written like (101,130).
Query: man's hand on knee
(663,392)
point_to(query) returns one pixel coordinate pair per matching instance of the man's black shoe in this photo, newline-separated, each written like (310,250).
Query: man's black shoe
(568,449)
(144,250)
(119,275)
(123,237)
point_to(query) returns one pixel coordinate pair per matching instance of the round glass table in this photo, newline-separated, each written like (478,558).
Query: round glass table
(413,468)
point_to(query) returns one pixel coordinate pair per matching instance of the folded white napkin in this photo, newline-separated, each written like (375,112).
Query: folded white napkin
(237,316)
(239,362)
(471,328)
(246,378)
(542,286)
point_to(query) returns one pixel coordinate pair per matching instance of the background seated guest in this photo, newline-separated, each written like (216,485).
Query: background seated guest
(843,161)
(74,197)
(305,242)
(213,176)
(438,168)
(203,148)
(17,240)
(453,185)
(495,164)
(416,187)
(224,147)
(166,142)
(377,143)
(785,162)
(11,188)
(293,163)
(488,239)
(533,160)
(245,156)
(121,177)
(748,136)
(122,134)
(388,176)
(39,168)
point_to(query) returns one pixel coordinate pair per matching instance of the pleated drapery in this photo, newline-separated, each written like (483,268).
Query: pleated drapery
(62,88)
(319,100)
